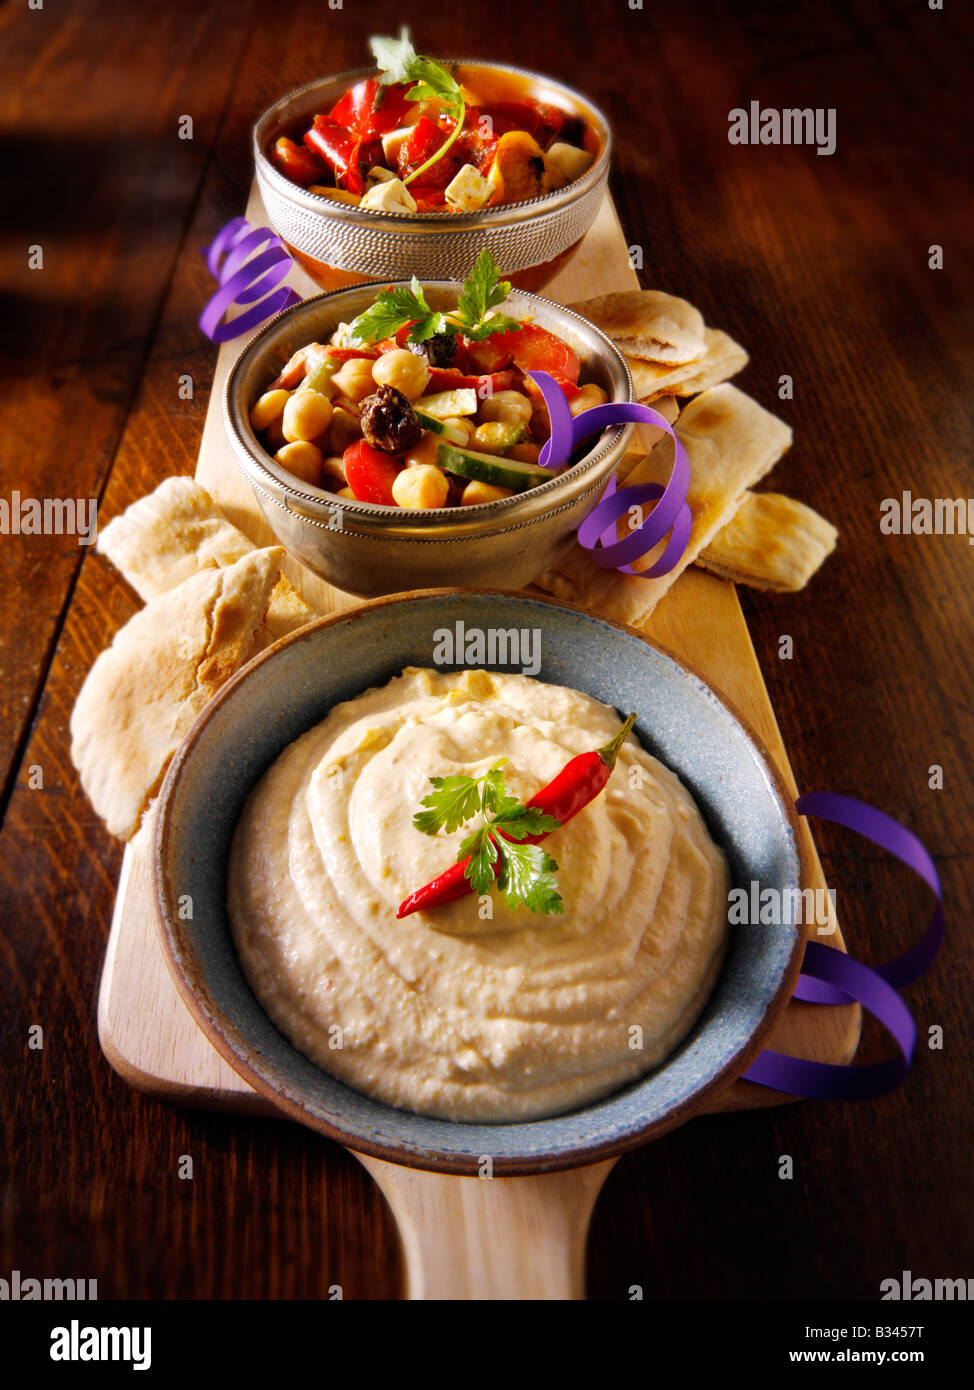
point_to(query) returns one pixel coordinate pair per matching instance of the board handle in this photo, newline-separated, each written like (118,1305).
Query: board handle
(490,1239)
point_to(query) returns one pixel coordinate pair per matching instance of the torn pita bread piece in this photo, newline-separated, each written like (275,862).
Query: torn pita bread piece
(162,539)
(645,437)
(144,692)
(731,443)
(648,324)
(721,359)
(771,542)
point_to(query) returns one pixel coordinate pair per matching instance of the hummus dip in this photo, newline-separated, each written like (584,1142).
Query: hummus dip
(473,1011)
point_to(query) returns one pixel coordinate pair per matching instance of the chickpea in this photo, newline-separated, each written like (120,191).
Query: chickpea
(334,469)
(588,396)
(404,370)
(512,407)
(355,379)
(424,452)
(343,430)
(421,488)
(345,492)
(491,437)
(306,415)
(302,459)
(458,426)
(525,453)
(476,492)
(269,408)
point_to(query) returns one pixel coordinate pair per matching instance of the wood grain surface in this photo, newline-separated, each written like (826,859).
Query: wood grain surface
(820,266)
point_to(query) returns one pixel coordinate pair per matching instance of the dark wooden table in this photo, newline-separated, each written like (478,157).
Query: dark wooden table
(820,266)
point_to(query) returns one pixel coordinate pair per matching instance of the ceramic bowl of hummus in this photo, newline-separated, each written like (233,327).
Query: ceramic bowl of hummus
(465,1030)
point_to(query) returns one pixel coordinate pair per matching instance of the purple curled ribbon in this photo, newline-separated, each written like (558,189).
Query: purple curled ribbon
(828,976)
(242,280)
(671,516)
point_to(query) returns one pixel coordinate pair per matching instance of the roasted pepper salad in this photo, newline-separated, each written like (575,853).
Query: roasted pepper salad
(414,139)
(408,406)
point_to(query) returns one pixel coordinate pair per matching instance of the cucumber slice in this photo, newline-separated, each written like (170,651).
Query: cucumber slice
(490,468)
(441,406)
(446,431)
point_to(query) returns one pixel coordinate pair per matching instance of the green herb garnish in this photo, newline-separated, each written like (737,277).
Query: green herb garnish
(395,308)
(431,81)
(526,876)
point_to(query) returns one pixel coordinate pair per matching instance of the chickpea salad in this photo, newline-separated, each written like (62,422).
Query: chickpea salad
(413,407)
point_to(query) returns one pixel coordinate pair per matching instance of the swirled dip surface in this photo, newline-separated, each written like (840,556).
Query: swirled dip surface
(447,1012)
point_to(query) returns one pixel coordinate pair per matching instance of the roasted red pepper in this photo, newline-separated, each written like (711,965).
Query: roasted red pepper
(370,109)
(425,138)
(295,162)
(537,118)
(341,150)
(578,783)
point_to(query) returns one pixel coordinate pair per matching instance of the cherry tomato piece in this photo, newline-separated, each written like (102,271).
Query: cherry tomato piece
(534,349)
(370,473)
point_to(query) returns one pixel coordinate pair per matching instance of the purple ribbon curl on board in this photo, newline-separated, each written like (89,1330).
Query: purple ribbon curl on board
(828,976)
(242,280)
(670,516)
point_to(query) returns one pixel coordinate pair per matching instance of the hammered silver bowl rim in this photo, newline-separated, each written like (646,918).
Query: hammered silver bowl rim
(325,502)
(504,214)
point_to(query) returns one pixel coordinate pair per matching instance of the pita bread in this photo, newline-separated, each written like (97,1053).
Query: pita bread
(648,324)
(144,692)
(178,530)
(772,542)
(731,443)
(722,359)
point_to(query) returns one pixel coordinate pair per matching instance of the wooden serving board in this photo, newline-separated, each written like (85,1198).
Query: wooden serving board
(516,1237)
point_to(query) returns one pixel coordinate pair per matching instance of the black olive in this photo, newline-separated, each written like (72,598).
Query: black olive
(439,351)
(389,422)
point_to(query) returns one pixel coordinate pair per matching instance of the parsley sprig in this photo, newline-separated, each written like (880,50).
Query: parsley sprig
(526,872)
(474,316)
(431,81)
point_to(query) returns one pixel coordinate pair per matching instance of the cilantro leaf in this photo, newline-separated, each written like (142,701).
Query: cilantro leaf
(519,821)
(394,56)
(454,801)
(483,856)
(397,307)
(484,290)
(527,875)
(392,310)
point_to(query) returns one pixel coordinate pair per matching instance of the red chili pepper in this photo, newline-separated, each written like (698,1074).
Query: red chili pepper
(340,149)
(296,163)
(578,783)
(370,109)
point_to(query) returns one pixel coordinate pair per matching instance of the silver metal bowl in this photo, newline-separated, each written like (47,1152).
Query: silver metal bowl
(329,236)
(367,549)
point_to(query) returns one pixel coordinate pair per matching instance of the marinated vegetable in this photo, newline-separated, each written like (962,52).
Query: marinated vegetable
(416,139)
(368,416)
